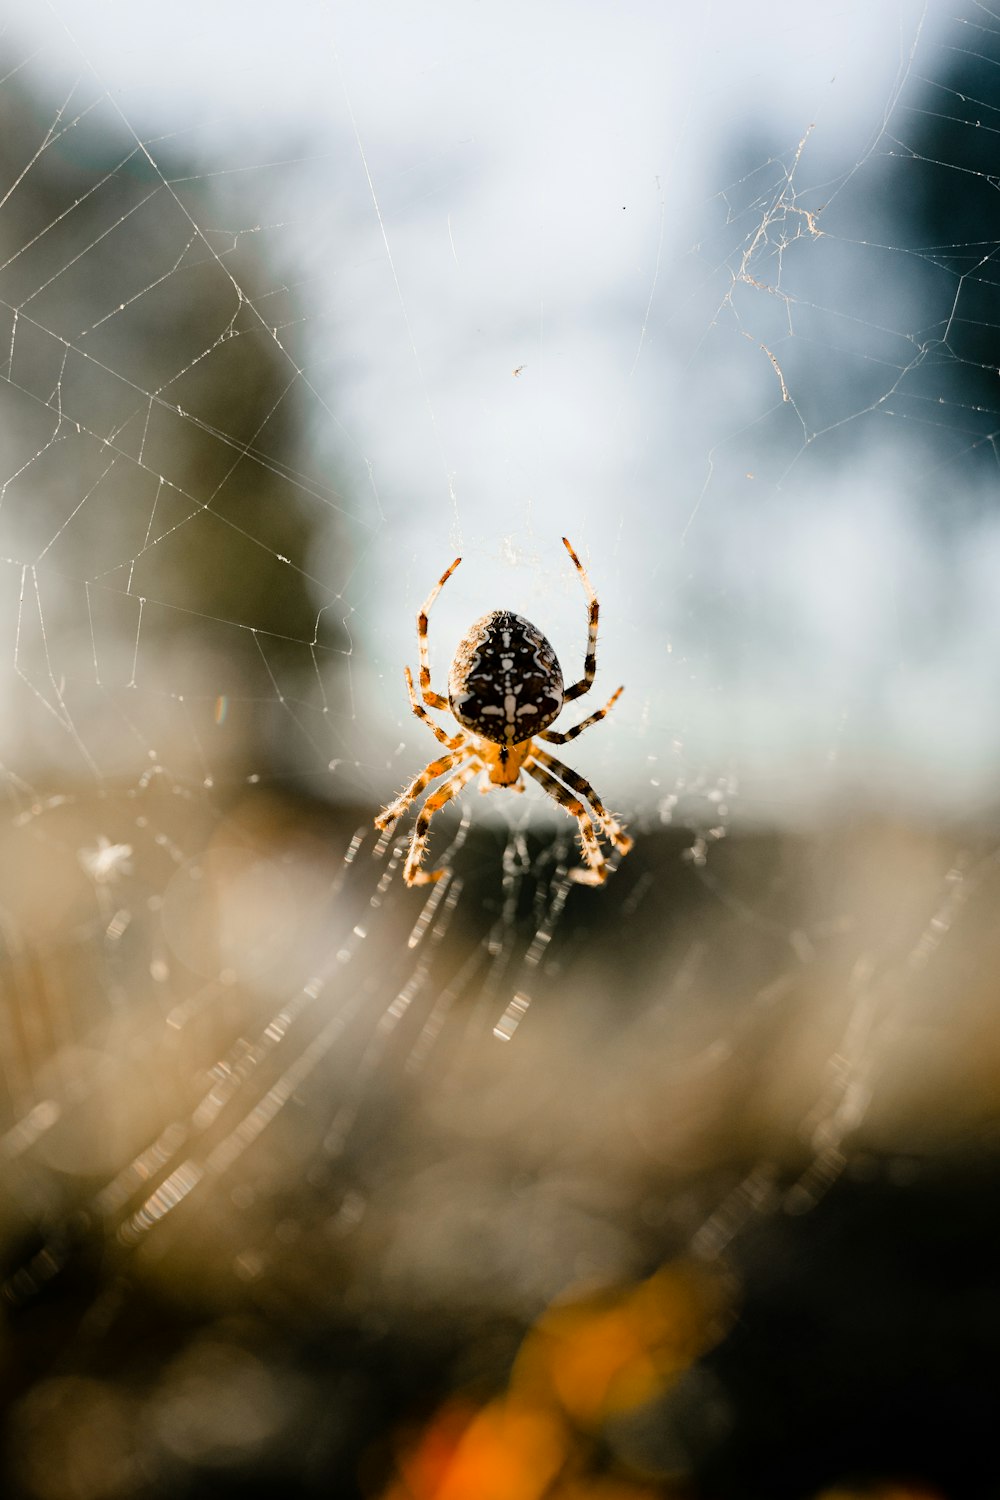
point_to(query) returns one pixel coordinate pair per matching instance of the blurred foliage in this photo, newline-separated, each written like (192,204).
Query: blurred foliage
(272,1221)
(940,202)
(153,425)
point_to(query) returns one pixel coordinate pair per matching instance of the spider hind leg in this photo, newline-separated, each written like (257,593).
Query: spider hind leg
(593,610)
(431,698)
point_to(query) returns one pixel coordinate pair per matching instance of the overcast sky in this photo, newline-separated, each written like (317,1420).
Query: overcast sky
(516,236)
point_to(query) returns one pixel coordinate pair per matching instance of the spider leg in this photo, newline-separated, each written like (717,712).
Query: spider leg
(612,830)
(555,738)
(432,699)
(590,663)
(393,811)
(412,873)
(451,740)
(596,871)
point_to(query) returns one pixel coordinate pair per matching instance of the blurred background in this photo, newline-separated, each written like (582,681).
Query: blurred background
(501,1188)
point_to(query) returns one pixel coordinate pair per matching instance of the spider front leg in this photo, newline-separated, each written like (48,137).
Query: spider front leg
(393,811)
(432,699)
(596,871)
(412,873)
(609,826)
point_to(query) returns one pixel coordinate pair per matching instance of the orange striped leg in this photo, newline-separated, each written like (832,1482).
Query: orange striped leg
(433,700)
(555,738)
(590,663)
(393,811)
(412,873)
(611,829)
(451,740)
(596,871)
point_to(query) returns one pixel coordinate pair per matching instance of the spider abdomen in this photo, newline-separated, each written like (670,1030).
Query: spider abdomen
(505,683)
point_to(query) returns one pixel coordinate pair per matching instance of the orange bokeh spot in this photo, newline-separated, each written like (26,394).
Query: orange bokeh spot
(615,1350)
(583,1362)
(510,1450)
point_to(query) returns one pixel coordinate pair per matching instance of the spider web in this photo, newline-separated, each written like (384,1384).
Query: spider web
(294,309)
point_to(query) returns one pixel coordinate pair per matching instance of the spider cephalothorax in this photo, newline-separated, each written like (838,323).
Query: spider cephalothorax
(506,686)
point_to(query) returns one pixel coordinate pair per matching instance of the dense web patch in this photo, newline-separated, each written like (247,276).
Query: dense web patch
(252,398)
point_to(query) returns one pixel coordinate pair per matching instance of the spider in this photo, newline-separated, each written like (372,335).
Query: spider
(506,680)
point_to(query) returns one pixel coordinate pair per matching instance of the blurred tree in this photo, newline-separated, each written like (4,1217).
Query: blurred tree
(939,192)
(153,421)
